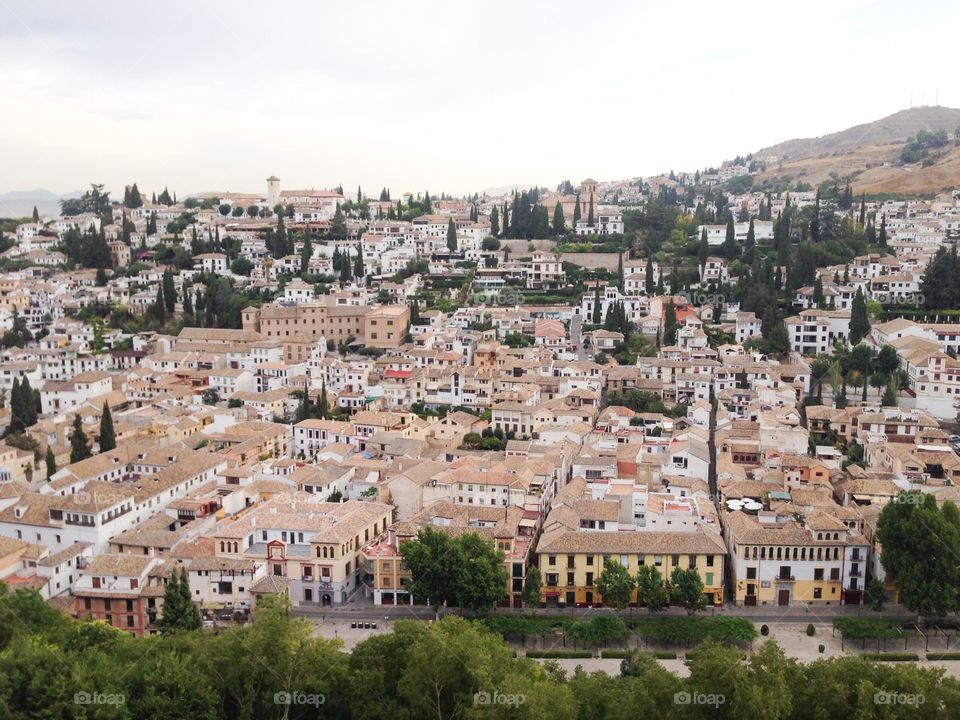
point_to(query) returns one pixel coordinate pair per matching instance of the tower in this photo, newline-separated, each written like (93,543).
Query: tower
(273,190)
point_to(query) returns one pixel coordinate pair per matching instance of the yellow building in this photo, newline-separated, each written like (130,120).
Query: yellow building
(571,560)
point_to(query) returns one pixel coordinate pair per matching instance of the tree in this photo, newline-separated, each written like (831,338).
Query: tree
(576,212)
(651,590)
(18,414)
(859,319)
(670,323)
(224,209)
(240,266)
(921,544)
(159,305)
(323,405)
(108,439)
(730,248)
(597,312)
(358,270)
(686,590)
(703,251)
(482,580)
(882,238)
(210,396)
(169,291)
(51,462)
(531,588)
(875,595)
(79,444)
(888,362)
(615,584)
(750,244)
(559,223)
(494,221)
(648,283)
(590,212)
(36,214)
(179,611)
(451,236)
(435,562)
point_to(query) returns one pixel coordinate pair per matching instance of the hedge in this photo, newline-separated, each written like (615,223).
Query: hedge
(560,654)
(514,626)
(943,656)
(622,654)
(891,657)
(858,628)
(696,629)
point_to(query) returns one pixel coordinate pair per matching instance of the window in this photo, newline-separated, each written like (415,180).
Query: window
(817,593)
(589,559)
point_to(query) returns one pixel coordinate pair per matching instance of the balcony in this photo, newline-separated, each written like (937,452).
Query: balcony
(785,578)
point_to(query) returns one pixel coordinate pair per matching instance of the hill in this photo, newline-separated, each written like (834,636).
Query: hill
(20,203)
(894,128)
(868,155)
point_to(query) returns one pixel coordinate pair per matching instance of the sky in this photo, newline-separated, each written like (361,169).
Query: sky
(448,97)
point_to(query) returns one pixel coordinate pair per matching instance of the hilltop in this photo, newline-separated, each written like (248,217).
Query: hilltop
(869,155)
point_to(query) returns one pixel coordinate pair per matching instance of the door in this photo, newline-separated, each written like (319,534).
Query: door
(783,598)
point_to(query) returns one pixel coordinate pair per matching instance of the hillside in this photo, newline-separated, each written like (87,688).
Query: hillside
(894,128)
(868,155)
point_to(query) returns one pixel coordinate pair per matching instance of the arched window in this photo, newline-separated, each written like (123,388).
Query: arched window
(221,546)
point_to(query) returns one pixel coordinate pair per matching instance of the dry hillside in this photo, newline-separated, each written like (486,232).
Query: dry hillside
(869,155)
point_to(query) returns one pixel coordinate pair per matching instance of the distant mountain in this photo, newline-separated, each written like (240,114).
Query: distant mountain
(894,128)
(20,203)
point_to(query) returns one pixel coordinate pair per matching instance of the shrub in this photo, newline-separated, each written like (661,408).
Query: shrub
(821,648)
(764,630)
(560,654)
(811,630)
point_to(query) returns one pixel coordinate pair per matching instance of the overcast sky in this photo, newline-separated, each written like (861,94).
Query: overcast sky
(444,96)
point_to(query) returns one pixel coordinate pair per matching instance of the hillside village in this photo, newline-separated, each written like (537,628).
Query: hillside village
(274,391)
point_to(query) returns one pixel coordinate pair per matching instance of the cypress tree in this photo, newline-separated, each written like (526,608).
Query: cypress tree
(172,604)
(346,267)
(51,461)
(169,291)
(79,444)
(670,323)
(451,236)
(596,304)
(859,319)
(108,439)
(190,620)
(36,214)
(494,221)
(427,206)
(559,224)
(620,271)
(306,252)
(358,270)
(323,406)
(17,419)
(730,241)
(648,277)
(818,292)
(882,239)
(863,209)
(750,245)
(703,252)
(576,212)
(28,403)
(590,212)
(159,305)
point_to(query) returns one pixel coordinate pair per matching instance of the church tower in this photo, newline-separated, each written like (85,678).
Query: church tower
(273,190)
